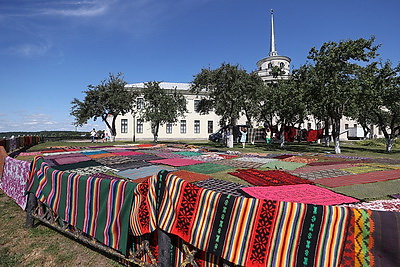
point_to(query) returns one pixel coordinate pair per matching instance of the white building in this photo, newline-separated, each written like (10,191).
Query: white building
(198,127)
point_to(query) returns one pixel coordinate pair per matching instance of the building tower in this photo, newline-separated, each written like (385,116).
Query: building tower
(265,65)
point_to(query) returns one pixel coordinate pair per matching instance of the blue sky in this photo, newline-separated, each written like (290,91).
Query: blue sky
(51,50)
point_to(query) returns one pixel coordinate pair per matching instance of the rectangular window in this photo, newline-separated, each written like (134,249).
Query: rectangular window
(183,126)
(196,126)
(346,126)
(168,128)
(196,104)
(309,126)
(139,103)
(139,126)
(210,127)
(124,125)
(355,125)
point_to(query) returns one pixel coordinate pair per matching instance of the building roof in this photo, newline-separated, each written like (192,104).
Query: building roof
(163,85)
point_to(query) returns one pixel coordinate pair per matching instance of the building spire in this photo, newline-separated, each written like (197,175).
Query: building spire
(272,51)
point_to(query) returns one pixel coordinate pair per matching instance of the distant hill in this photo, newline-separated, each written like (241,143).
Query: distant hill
(59,134)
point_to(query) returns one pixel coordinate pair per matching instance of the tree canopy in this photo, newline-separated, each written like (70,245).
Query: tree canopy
(229,90)
(331,81)
(161,106)
(110,97)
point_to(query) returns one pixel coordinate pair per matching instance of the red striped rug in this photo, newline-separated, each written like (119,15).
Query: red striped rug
(363,178)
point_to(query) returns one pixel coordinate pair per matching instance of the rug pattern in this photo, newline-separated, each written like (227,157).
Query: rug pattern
(302,193)
(239,164)
(206,168)
(322,174)
(221,186)
(268,178)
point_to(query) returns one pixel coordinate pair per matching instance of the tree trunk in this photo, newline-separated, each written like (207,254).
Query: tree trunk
(155,132)
(337,145)
(282,137)
(327,137)
(389,144)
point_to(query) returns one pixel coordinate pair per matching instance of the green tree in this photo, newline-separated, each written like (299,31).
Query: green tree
(228,91)
(161,106)
(332,85)
(282,102)
(379,99)
(109,98)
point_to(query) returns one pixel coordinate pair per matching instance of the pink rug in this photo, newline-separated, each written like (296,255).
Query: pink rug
(177,162)
(71,160)
(302,193)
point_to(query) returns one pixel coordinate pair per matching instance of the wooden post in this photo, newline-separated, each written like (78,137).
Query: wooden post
(30,207)
(164,249)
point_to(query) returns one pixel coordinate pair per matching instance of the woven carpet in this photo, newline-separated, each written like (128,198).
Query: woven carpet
(106,176)
(395,195)
(130,165)
(239,164)
(221,186)
(206,168)
(146,157)
(301,193)
(127,153)
(168,155)
(284,156)
(144,171)
(306,169)
(94,169)
(176,162)
(382,205)
(370,191)
(188,153)
(322,174)
(321,163)
(363,178)
(93,152)
(102,155)
(71,160)
(363,169)
(256,159)
(83,164)
(191,176)
(226,156)
(283,165)
(109,161)
(269,178)
(299,159)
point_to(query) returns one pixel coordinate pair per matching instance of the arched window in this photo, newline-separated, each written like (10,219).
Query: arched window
(282,65)
(269,65)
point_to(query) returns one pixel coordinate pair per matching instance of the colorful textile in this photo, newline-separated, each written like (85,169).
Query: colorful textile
(190,176)
(320,163)
(370,191)
(308,169)
(290,133)
(299,159)
(71,160)
(99,207)
(221,186)
(314,135)
(321,174)
(278,164)
(176,162)
(255,159)
(252,232)
(302,193)
(363,169)
(100,155)
(363,178)
(206,168)
(144,171)
(188,153)
(268,178)
(82,164)
(372,239)
(14,178)
(395,196)
(239,164)
(382,205)
(127,153)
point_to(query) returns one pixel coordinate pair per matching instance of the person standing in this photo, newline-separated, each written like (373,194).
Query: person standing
(243,137)
(268,136)
(93,134)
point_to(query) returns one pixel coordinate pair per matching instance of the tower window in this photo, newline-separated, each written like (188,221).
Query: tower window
(269,65)
(282,65)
